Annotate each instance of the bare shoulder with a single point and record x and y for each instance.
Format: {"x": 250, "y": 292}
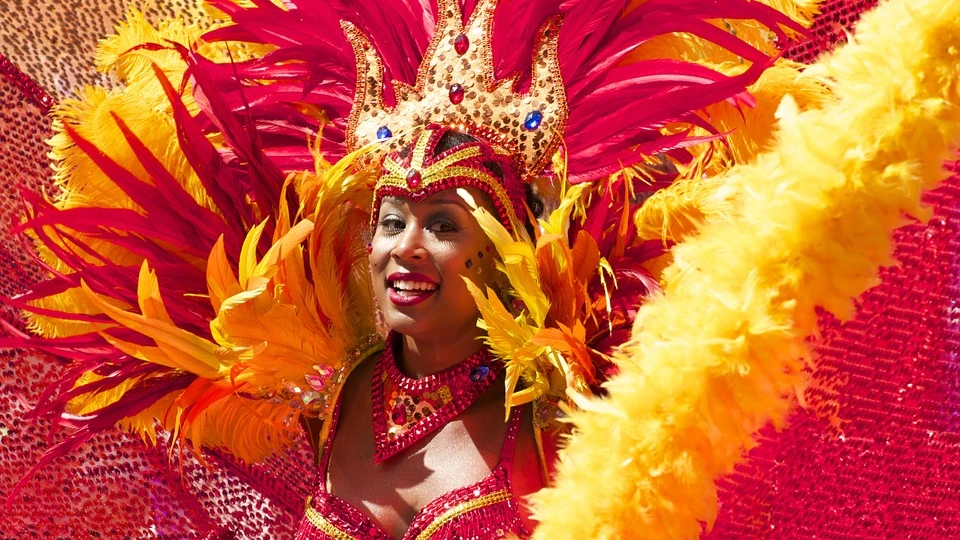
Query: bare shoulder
{"x": 358, "y": 379}
{"x": 525, "y": 476}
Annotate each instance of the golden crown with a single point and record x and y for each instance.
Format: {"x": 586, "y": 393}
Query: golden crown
{"x": 456, "y": 87}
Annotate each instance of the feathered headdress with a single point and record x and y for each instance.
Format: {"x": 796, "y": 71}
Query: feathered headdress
{"x": 207, "y": 267}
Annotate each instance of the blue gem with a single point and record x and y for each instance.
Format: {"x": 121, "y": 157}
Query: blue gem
{"x": 532, "y": 121}
{"x": 384, "y": 133}
{"x": 479, "y": 373}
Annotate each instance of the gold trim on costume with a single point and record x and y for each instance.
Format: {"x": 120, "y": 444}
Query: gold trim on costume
{"x": 463, "y": 508}
{"x": 317, "y": 520}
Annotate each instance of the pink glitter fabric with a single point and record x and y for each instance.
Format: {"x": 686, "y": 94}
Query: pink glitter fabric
{"x": 485, "y": 509}
{"x": 115, "y": 486}
{"x": 876, "y": 455}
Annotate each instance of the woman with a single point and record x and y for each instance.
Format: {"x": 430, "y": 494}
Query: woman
{"x": 209, "y": 273}
{"x": 377, "y": 479}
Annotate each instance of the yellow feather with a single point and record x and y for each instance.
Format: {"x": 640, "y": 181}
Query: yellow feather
{"x": 558, "y": 221}
{"x": 722, "y": 352}
{"x": 88, "y": 403}
{"x": 537, "y": 365}
{"x": 143, "y": 105}
{"x": 281, "y": 248}
{"x": 248, "y": 253}
{"x": 273, "y": 324}
{"x": 148, "y": 295}
{"x": 196, "y": 354}
{"x": 517, "y": 261}
{"x": 221, "y": 281}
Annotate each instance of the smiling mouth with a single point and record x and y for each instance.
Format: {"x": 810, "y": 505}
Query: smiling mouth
{"x": 409, "y": 289}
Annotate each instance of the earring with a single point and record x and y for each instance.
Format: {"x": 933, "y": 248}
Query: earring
{"x": 369, "y": 248}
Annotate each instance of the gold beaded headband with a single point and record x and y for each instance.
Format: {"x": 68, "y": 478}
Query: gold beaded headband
{"x": 422, "y": 171}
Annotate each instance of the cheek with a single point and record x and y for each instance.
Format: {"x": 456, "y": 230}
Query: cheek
{"x": 379, "y": 258}
{"x": 474, "y": 264}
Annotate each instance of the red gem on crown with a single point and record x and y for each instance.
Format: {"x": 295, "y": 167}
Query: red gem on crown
{"x": 461, "y": 44}
{"x": 456, "y": 94}
{"x": 413, "y": 178}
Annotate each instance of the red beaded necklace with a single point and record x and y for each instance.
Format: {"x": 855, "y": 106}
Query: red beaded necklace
{"x": 406, "y": 410}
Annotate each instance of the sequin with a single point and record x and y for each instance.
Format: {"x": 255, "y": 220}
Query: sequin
{"x": 384, "y": 133}
{"x": 457, "y": 168}
{"x": 879, "y": 471}
{"x": 399, "y": 414}
{"x": 478, "y": 511}
{"x": 427, "y": 403}
{"x": 444, "y": 74}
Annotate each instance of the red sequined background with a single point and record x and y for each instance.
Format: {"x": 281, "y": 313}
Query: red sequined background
{"x": 874, "y": 457}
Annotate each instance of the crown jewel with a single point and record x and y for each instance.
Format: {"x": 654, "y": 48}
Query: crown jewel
{"x": 456, "y": 87}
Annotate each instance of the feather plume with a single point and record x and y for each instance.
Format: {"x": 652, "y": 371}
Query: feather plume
{"x": 309, "y": 62}
{"x": 201, "y": 278}
{"x": 721, "y": 352}
{"x": 174, "y": 307}
{"x": 606, "y": 70}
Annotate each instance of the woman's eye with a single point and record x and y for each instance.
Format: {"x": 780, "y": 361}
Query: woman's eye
{"x": 391, "y": 223}
{"x": 443, "y": 225}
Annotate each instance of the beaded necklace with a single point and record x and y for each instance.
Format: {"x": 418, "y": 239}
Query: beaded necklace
{"x": 406, "y": 410}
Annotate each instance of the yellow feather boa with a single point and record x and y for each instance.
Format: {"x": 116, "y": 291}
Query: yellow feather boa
{"x": 720, "y": 354}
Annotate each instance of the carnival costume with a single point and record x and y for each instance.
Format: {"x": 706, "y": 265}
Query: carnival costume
{"x": 207, "y": 254}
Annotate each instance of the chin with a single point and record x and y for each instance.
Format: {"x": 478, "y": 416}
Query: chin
{"x": 404, "y": 324}
{"x": 430, "y": 326}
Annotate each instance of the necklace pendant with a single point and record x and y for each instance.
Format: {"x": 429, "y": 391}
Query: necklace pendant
{"x": 405, "y": 410}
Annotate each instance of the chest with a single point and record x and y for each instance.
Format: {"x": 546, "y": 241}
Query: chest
{"x": 461, "y": 463}
{"x": 464, "y": 451}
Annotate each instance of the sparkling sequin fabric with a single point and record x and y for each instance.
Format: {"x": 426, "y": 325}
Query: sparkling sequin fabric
{"x": 113, "y": 487}
{"x": 485, "y": 509}
{"x": 875, "y": 455}
{"x": 53, "y": 41}
{"x": 406, "y": 410}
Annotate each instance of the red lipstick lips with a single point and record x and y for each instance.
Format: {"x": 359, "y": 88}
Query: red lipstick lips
{"x": 409, "y": 288}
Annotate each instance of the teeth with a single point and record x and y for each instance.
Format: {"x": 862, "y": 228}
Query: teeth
{"x": 413, "y": 286}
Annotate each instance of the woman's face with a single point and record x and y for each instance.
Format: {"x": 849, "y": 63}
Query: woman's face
{"x": 420, "y": 254}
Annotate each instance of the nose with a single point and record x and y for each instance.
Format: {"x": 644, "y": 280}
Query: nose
{"x": 410, "y": 244}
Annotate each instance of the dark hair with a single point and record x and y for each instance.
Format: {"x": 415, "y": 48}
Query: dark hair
{"x": 453, "y": 139}
{"x": 534, "y": 202}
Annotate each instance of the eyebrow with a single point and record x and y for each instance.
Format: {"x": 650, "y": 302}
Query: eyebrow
{"x": 448, "y": 201}
{"x": 443, "y": 201}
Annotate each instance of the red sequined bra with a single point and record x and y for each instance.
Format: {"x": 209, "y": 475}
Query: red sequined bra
{"x": 482, "y": 510}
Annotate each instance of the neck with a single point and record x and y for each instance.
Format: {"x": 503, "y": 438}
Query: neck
{"x": 423, "y": 357}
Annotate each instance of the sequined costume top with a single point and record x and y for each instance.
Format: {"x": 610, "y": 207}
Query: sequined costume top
{"x": 482, "y": 510}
